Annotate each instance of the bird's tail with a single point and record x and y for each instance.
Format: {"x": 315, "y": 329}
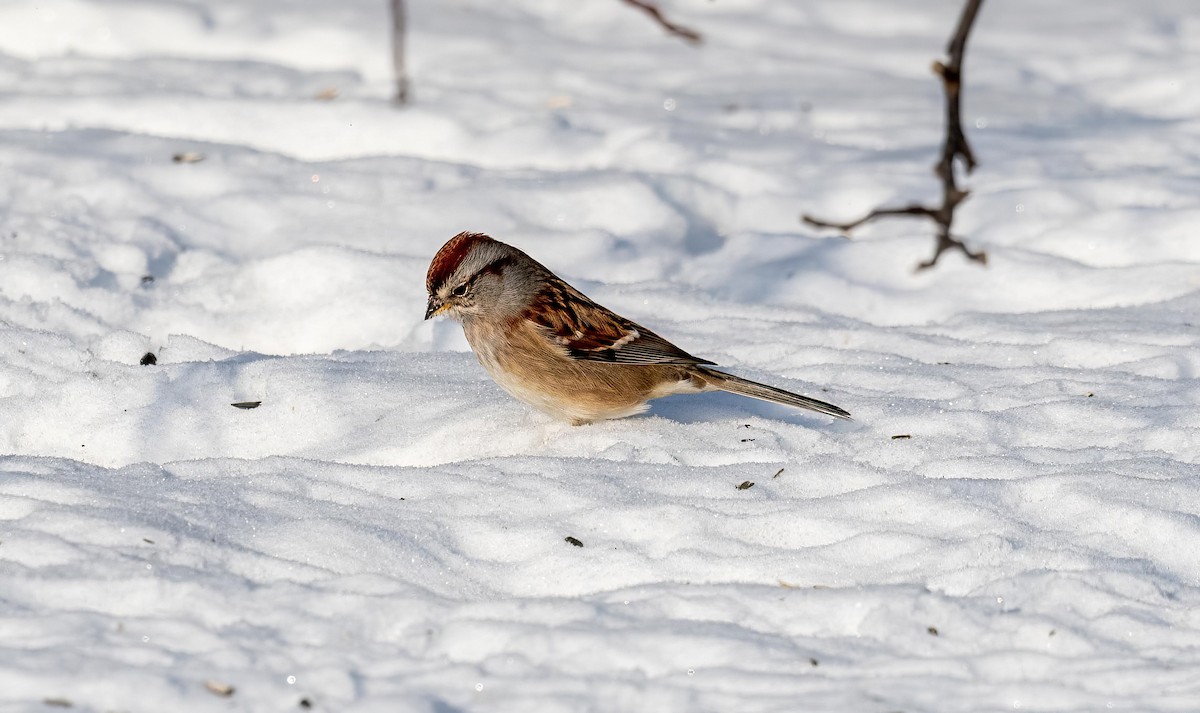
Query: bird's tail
{"x": 753, "y": 389}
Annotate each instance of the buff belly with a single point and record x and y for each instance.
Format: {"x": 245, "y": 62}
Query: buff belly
{"x": 572, "y": 390}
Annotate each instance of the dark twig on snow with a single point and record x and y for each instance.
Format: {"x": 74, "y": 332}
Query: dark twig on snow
{"x": 955, "y": 146}
{"x": 399, "y": 23}
{"x": 688, "y": 35}
{"x": 399, "y": 20}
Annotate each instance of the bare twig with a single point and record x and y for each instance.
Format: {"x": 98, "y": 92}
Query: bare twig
{"x": 955, "y": 146}
{"x": 919, "y": 211}
{"x": 688, "y": 35}
{"x": 399, "y": 21}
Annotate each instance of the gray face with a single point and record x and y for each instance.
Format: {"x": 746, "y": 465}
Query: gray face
{"x": 476, "y": 285}
{"x": 471, "y": 294}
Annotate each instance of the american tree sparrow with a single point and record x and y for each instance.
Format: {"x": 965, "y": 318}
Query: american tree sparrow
{"x": 548, "y": 345}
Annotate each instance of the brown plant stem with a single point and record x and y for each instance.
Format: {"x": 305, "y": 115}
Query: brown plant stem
{"x": 399, "y": 21}
{"x": 687, "y": 34}
{"x": 954, "y": 146}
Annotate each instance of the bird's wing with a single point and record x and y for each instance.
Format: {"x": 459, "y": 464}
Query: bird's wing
{"x": 589, "y": 332}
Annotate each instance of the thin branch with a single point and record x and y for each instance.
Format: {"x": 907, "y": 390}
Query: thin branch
{"x": 399, "y": 21}
{"x": 918, "y": 211}
{"x": 955, "y": 146}
{"x": 687, "y": 34}
{"x": 948, "y": 242}
{"x": 951, "y": 74}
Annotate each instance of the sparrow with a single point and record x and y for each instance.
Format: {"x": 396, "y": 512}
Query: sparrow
{"x": 547, "y": 344}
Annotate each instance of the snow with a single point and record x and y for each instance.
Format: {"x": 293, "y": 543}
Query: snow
{"x": 387, "y": 530}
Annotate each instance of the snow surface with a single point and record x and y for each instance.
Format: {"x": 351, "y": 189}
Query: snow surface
{"x": 386, "y": 532}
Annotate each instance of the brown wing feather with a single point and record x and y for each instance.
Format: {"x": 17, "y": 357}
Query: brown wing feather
{"x": 589, "y": 332}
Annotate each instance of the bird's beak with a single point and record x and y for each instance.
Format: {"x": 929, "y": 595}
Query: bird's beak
{"x": 433, "y": 307}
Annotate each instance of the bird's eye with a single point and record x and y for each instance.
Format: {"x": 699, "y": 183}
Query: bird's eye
{"x": 460, "y": 290}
